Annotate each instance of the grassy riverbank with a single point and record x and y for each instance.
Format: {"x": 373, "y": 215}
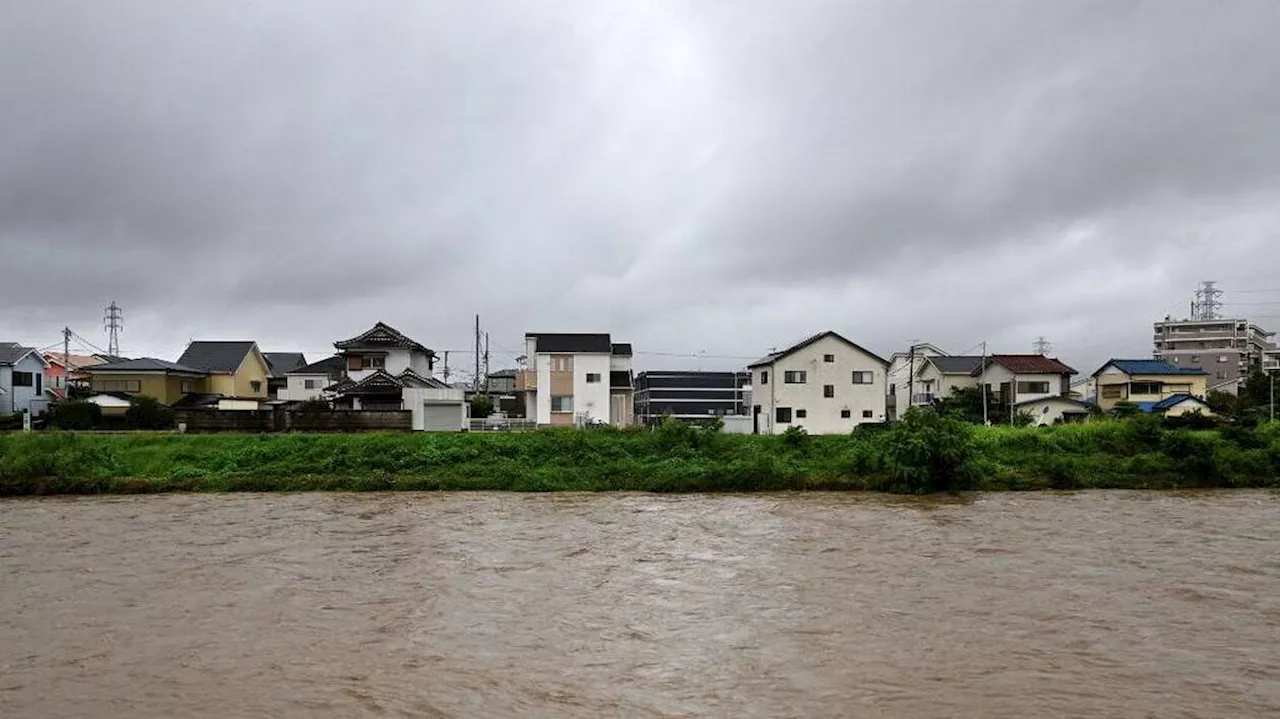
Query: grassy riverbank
{"x": 927, "y": 456}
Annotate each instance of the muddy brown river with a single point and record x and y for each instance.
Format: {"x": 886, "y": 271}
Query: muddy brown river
{"x": 1095, "y": 604}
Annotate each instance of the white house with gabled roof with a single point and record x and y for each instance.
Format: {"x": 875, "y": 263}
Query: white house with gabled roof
{"x": 22, "y": 379}
{"x": 825, "y": 384}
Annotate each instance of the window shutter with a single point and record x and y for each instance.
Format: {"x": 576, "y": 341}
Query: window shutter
{"x": 353, "y": 362}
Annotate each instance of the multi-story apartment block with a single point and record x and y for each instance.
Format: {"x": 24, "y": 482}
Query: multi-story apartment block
{"x": 691, "y": 395}
{"x": 576, "y": 379}
{"x": 1229, "y": 350}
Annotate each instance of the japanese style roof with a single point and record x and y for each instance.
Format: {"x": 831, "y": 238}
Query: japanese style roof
{"x": 774, "y": 357}
{"x": 620, "y": 379}
{"x": 1174, "y": 400}
{"x": 1028, "y": 364}
{"x": 1149, "y": 366}
{"x": 198, "y": 400}
{"x": 622, "y": 349}
{"x": 282, "y": 363}
{"x": 572, "y": 342}
{"x": 11, "y": 352}
{"x": 333, "y": 366}
{"x": 409, "y": 378}
{"x": 955, "y": 364}
{"x": 380, "y": 382}
{"x": 341, "y": 385}
{"x": 144, "y": 364}
{"x": 220, "y": 357}
{"x": 382, "y": 336}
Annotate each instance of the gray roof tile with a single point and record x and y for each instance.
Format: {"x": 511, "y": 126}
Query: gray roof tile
{"x": 216, "y": 356}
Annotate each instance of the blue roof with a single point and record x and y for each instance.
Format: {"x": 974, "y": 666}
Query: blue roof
{"x": 1172, "y": 401}
{"x": 1147, "y": 407}
{"x": 1149, "y": 366}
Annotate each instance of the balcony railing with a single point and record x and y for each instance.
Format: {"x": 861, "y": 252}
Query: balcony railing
{"x": 923, "y": 398}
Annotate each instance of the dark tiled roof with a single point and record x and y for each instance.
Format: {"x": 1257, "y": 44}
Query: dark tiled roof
{"x": 572, "y": 342}
{"x": 380, "y": 382}
{"x": 190, "y": 401}
{"x": 112, "y": 358}
{"x": 620, "y": 379}
{"x": 216, "y": 356}
{"x": 956, "y": 364}
{"x": 622, "y": 349}
{"x": 409, "y": 376}
{"x": 334, "y": 366}
{"x": 1149, "y": 366}
{"x": 1029, "y": 364}
{"x": 11, "y": 352}
{"x": 382, "y": 335}
{"x": 1174, "y": 400}
{"x": 282, "y": 363}
{"x": 144, "y": 364}
{"x": 774, "y": 357}
{"x": 503, "y": 373}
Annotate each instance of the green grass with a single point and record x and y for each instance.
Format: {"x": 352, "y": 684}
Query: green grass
{"x": 1104, "y": 454}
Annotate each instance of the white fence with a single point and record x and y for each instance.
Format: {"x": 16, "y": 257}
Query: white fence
{"x": 501, "y": 424}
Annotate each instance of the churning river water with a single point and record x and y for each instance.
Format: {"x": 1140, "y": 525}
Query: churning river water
{"x": 1093, "y": 604}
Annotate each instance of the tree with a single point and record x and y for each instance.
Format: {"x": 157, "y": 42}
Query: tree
{"x": 481, "y": 406}
{"x": 147, "y": 413}
{"x": 75, "y": 415}
{"x": 965, "y": 403}
{"x": 930, "y": 452}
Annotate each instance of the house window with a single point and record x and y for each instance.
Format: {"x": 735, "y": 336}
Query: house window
{"x": 801, "y": 413}
{"x": 845, "y": 414}
{"x": 370, "y": 362}
{"x": 782, "y": 415}
{"x": 117, "y": 385}
{"x": 24, "y": 379}
{"x": 1223, "y": 358}
{"x": 187, "y": 386}
{"x": 563, "y": 403}
{"x": 311, "y": 384}
{"x": 863, "y": 377}
{"x": 1144, "y": 388}
{"x": 561, "y": 363}
{"x": 828, "y": 391}
{"x": 1112, "y": 391}
{"x": 764, "y": 376}
{"x": 794, "y": 377}
{"x": 867, "y": 413}
{"x": 593, "y": 377}
{"x": 255, "y": 386}
{"x": 1222, "y": 374}
{"x": 828, "y": 358}
{"x": 1033, "y": 388}
{"x": 39, "y": 383}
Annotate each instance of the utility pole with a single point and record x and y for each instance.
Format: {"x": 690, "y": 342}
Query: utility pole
{"x": 1272, "y": 376}
{"x": 446, "y": 366}
{"x": 112, "y": 324}
{"x": 475, "y": 381}
{"x": 911, "y": 378}
{"x": 486, "y": 363}
{"x": 983, "y": 382}
{"x": 66, "y": 363}
{"x": 1042, "y": 346}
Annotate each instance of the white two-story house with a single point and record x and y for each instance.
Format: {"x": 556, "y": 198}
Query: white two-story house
{"x": 825, "y": 384}
{"x": 22, "y": 380}
{"x": 577, "y": 379}
{"x": 1013, "y": 379}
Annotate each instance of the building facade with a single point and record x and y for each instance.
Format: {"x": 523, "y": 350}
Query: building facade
{"x": 577, "y": 379}
{"x": 1147, "y": 382}
{"x": 22, "y": 385}
{"x": 902, "y": 367}
{"x": 1228, "y": 350}
{"x": 691, "y": 395}
{"x": 825, "y": 384}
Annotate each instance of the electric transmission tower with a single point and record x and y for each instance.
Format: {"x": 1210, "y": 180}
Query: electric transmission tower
{"x": 1042, "y": 346}
{"x": 113, "y": 325}
{"x": 1207, "y": 301}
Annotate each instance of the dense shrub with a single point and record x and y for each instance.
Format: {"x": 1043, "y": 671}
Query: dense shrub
{"x": 147, "y": 413}
{"x": 929, "y": 452}
{"x": 75, "y": 415}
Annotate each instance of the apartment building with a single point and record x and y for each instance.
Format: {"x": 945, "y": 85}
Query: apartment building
{"x": 1228, "y": 350}
{"x": 691, "y": 395}
{"x": 825, "y": 384}
{"x": 577, "y": 379}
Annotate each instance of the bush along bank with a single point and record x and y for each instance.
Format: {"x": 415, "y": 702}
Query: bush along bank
{"x": 925, "y": 452}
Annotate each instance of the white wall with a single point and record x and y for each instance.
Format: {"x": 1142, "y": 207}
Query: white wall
{"x": 18, "y": 399}
{"x": 823, "y": 414}
{"x": 591, "y": 399}
{"x": 295, "y": 389}
{"x": 397, "y": 361}
{"x": 415, "y": 399}
{"x": 996, "y": 375}
{"x": 543, "y": 414}
{"x": 1048, "y": 411}
{"x": 619, "y": 364}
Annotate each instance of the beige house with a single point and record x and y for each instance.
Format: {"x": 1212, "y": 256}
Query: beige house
{"x": 167, "y": 382}
{"x": 825, "y": 384}
{"x": 577, "y": 379}
{"x": 1154, "y": 385}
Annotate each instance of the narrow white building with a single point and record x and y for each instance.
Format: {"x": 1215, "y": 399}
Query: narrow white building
{"x": 825, "y": 384}
{"x": 577, "y": 379}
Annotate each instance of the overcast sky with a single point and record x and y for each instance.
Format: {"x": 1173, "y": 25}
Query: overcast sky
{"x": 717, "y": 177}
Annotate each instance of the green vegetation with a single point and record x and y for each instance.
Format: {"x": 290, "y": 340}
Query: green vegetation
{"x": 925, "y": 452}
{"x": 75, "y": 414}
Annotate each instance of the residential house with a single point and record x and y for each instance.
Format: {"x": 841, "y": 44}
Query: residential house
{"x": 385, "y": 369}
{"x": 166, "y": 382}
{"x": 22, "y": 387}
{"x": 577, "y": 379}
{"x": 825, "y": 384}
{"x": 237, "y": 372}
{"x": 1054, "y": 410}
{"x": 691, "y": 395}
{"x": 1012, "y": 379}
{"x": 902, "y": 367}
{"x": 309, "y": 382}
{"x": 938, "y": 375}
{"x": 501, "y": 382}
{"x": 1154, "y": 385}
{"x": 280, "y": 365}
{"x": 67, "y": 371}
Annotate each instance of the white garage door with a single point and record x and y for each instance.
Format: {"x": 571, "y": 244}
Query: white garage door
{"x": 442, "y": 418}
